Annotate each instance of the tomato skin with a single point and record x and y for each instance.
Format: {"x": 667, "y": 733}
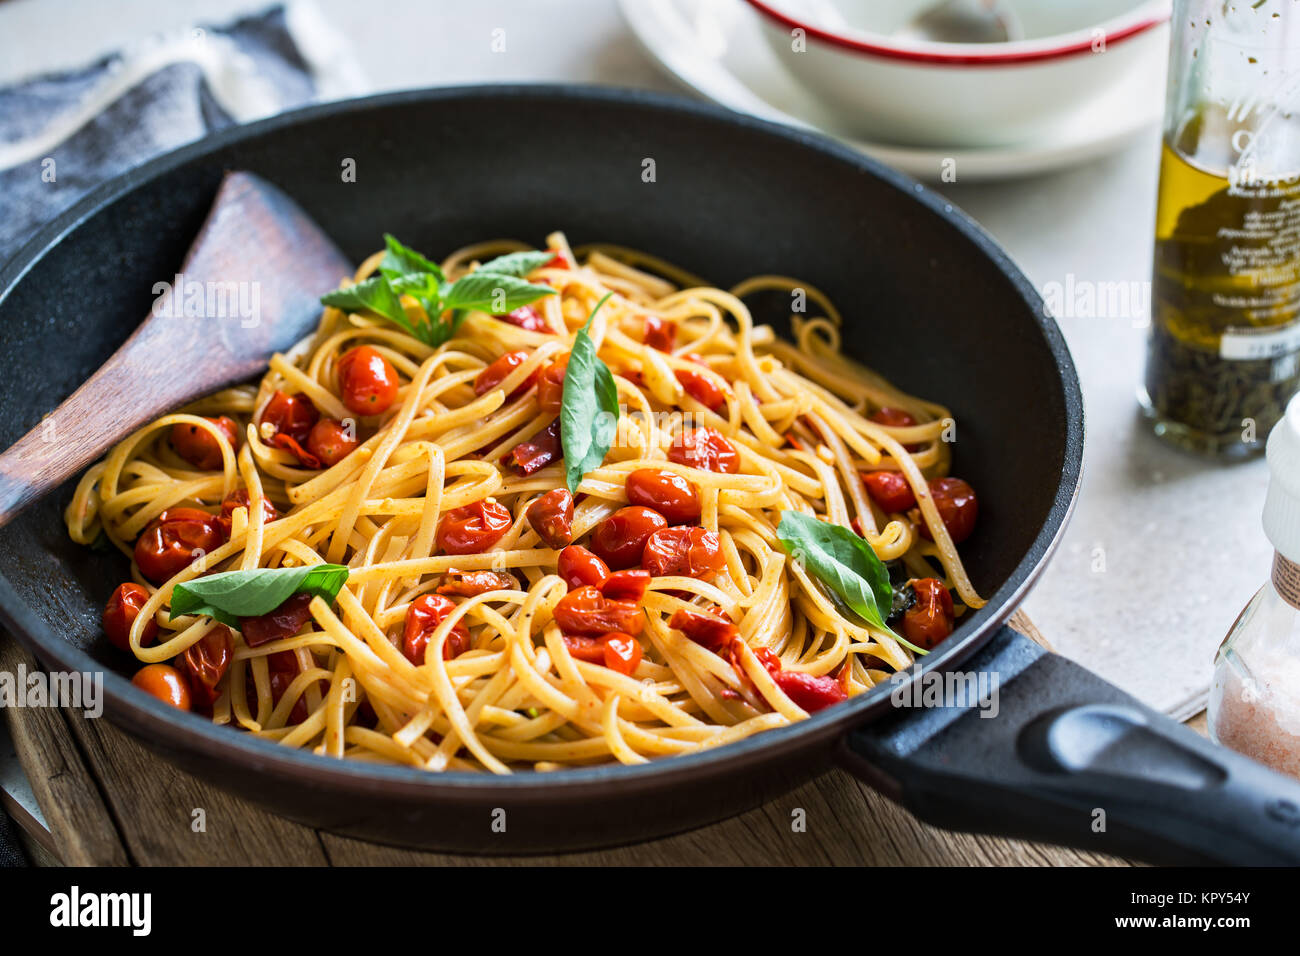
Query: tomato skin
{"x": 688, "y": 551}
{"x": 367, "y": 380}
{"x": 551, "y": 516}
{"x": 705, "y": 449}
{"x": 285, "y": 621}
{"x": 667, "y": 493}
{"x": 169, "y": 543}
{"x": 892, "y": 418}
{"x": 958, "y": 507}
{"x": 707, "y": 630}
{"x": 809, "y": 692}
{"x": 586, "y": 612}
{"x": 539, "y": 451}
{"x": 660, "y": 334}
{"x": 622, "y": 652}
{"x": 890, "y": 490}
{"x": 473, "y": 528}
{"x": 422, "y": 619}
{"x": 930, "y": 619}
{"x": 206, "y": 662}
{"x": 701, "y": 387}
{"x": 120, "y": 612}
{"x": 330, "y": 441}
{"x": 587, "y": 649}
{"x": 579, "y": 567}
{"x": 164, "y": 682}
{"x": 292, "y": 418}
{"x": 197, "y": 446}
{"x": 550, "y": 386}
{"x": 496, "y": 373}
{"x": 240, "y": 498}
{"x": 527, "y": 318}
{"x": 620, "y": 538}
{"x": 474, "y": 583}
{"x": 629, "y": 585}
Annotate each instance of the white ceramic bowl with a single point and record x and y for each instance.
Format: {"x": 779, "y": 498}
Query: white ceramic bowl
{"x": 920, "y": 93}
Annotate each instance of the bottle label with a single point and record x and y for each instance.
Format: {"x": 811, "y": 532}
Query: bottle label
{"x": 1245, "y": 344}
{"x": 1286, "y": 580}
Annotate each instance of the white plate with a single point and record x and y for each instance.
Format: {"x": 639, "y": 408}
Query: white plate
{"x": 714, "y": 48}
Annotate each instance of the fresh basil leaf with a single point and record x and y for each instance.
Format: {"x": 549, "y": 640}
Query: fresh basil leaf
{"x": 517, "y": 263}
{"x": 493, "y": 292}
{"x": 844, "y": 563}
{"x": 231, "y": 595}
{"x": 587, "y": 403}
{"x": 402, "y": 260}
{"x": 374, "y": 295}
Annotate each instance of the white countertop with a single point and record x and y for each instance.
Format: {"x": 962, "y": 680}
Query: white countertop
{"x": 1164, "y": 549}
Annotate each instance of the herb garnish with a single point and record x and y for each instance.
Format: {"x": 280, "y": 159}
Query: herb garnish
{"x": 230, "y": 595}
{"x": 496, "y": 286}
{"x": 845, "y": 564}
{"x": 589, "y": 398}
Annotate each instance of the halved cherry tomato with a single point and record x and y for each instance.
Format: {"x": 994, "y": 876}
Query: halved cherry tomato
{"x": 809, "y": 692}
{"x": 705, "y": 449}
{"x": 667, "y": 493}
{"x": 550, "y": 386}
{"x": 120, "y": 613}
{"x": 890, "y": 490}
{"x": 206, "y": 663}
{"x": 580, "y": 567}
{"x": 620, "y": 538}
{"x": 930, "y": 619}
{"x": 688, "y": 551}
{"x": 285, "y": 621}
{"x": 474, "y": 583}
{"x": 474, "y": 528}
{"x": 367, "y": 380}
{"x": 330, "y": 441}
{"x": 539, "y": 451}
{"x": 197, "y": 446}
{"x": 240, "y": 498}
{"x": 660, "y": 333}
{"x": 292, "y": 418}
{"x": 551, "y": 516}
{"x": 629, "y": 585}
{"x": 496, "y": 373}
{"x": 585, "y": 611}
{"x": 525, "y": 317}
{"x": 707, "y": 630}
{"x": 422, "y": 619}
{"x": 171, "y": 542}
{"x": 701, "y": 387}
{"x": 622, "y": 652}
{"x": 958, "y": 507}
{"x": 164, "y": 682}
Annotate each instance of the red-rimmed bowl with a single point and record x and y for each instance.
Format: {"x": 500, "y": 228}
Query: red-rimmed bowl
{"x": 886, "y": 87}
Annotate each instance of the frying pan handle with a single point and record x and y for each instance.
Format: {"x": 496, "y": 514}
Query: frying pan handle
{"x": 1065, "y": 757}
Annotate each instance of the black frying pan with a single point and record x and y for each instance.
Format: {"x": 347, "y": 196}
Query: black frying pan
{"x": 929, "y": 300}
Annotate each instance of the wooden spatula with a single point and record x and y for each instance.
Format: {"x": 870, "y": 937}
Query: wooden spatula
{"x": 256, "y": 244}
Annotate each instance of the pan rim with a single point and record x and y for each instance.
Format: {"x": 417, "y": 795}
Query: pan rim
{"x": 200, "y": 738}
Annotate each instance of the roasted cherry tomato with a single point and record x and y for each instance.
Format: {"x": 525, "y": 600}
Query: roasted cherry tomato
{"x": 894, "y": 418}
{"x": 580, "y": 567}
{"x": 708, "y": 630}
{"x": 669, "y": 494}
{"x": 285, "y": 621}
{"x": 701, "y": 387}
{"x": 473, "y": 583}
{"x": 809, "y": 692}
{"x": 930, "y": 619}
{"x": 197, "y": 446}
{"x": 164, "y": 682}
{"x": 539, "y": 451}
{"x": 705, "y": 449}
{"x": 587, "y": 649}
{"x": 620, "y": 538}
{"x": 526, "y": 317}
{"x": 240, "y": 498}
{"x": 330, "y": 441}
{"x": 660, "y": 333}
{"x": 367, "y": 380}
{"x": 890, "y": 490}
{"x": 422, "y": 619}
{"x": 171, "y": 542}
{"x": 496, "y": 373}
{"x": 206, "y": 663}
{"x": 474, "y": 528}
{"x": 120, "y": 613}
{"x": 957, "y": 506}
{"x": 585, "y": 611}
{"x": 622, "y": 652}
{"x": 686, "y": 551}
{"x": 550, "y": 386}
{"x": 551, "y": 516}
{"x": 292, "y": 418}
{"x": 629, "y": 585}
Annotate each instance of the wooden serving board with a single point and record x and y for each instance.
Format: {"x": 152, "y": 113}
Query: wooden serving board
{"x": 109, "y": 801}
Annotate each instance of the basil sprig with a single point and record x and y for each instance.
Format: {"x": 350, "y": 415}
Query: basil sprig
{"x": 230, "y": 595}
{"x": 587, "y": 403}
{"x": 845, "y": 564}
{"x": 497, "y": 286}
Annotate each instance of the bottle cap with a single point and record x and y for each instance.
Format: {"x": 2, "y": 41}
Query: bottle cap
{"x": 1282, "y": 505}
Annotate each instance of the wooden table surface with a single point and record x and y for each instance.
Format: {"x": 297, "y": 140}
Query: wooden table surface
{"x": 109, "y": 801}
